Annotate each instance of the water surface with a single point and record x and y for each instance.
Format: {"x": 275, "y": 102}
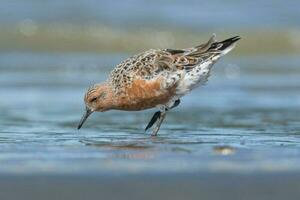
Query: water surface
{"x": 246, "y": 119}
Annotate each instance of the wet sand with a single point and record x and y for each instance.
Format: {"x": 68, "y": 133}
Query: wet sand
{"x": 226, "y": 186}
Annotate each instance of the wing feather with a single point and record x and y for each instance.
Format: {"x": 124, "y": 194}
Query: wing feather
{"x": 167, "y": 63}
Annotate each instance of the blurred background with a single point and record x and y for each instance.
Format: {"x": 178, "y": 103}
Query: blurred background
{"x": 244, "y": 122}
{"x": 130, "y": 26}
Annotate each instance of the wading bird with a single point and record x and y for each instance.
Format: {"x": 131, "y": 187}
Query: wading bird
{"x": 155, "y": 78}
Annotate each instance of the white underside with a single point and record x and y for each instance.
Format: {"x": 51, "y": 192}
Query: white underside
{"x": 195, "y": 78}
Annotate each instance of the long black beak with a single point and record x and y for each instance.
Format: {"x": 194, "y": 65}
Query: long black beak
{"x": 84, "y": 117}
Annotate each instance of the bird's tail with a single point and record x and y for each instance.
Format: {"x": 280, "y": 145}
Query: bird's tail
{"x": 213, "y": 46}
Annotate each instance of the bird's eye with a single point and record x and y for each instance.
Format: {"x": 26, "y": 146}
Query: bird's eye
{"x": 93, "y": 99}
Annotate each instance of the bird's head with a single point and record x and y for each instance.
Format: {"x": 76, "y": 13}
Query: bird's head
{"x": 97, "y": 98}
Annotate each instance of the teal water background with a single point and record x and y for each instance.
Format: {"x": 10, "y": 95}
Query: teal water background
{"x": 245, "y": 120}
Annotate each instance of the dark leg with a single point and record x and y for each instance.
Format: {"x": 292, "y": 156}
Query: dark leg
{"x": 159, "y": 122}
{"x": 153, "y": 120}
{"x": 176, "y": 103}
{"x": 158, "y": 114}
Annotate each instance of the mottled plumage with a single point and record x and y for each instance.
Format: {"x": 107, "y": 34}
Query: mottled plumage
{"x": 157, "y": 78}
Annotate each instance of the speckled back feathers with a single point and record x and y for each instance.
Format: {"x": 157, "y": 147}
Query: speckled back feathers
{"x": 153, "y": 64}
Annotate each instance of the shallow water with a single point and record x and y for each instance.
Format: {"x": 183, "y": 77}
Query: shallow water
{"x": 246, "y": 119}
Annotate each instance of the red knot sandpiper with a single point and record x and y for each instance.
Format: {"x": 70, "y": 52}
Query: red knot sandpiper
{"x": 155, "y": 78}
